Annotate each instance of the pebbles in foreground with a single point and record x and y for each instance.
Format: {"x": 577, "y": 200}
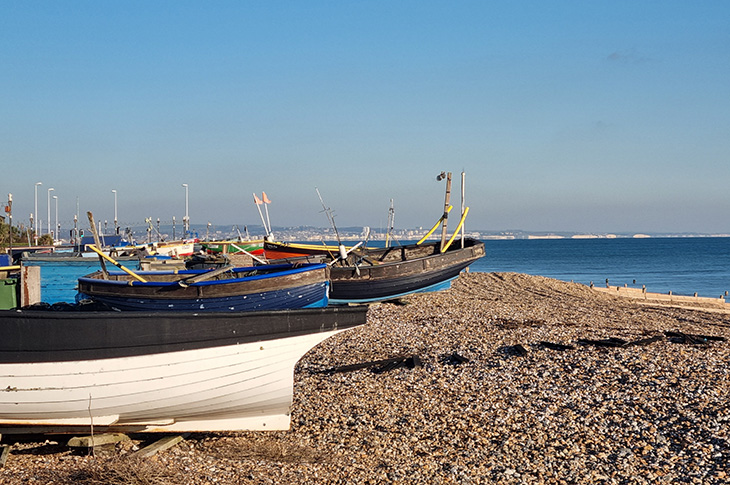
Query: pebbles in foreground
{"x": 511, "y": 379}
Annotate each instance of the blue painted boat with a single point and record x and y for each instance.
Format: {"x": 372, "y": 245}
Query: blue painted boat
{"x": 257, "y": 288}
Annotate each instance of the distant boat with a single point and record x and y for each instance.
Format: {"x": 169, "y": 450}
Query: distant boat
{"x": 376, "y": 274}
{"x": 282, "y": 250}
{"x": 76, "y": 371}
{"x": 254, "y": 247}
{"x": 270, "y": 287}
{"x": 173, "y": 249}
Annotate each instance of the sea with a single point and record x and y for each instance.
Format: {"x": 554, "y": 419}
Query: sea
{"x": 682, "y": 265}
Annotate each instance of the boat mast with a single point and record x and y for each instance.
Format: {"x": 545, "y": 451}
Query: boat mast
{"x": 463, "y": 176}
{"x": 331, "y": 218}
{"x": 391, "y": 224}
{"x": 440, "y": 177}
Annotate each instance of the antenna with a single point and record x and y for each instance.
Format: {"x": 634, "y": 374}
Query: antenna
{"x": 330, "y": 215}
{"x": 331, "y": 218}
{"x": 391, "y": 224}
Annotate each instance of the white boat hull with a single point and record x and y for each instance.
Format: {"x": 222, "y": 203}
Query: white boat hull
{"x": 235, "y": 387}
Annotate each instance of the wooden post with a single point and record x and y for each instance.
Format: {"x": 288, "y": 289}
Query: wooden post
{"x": 160, "y": 445}
{"x": 30, "y": 285}
{"x": 446, "y": 209}
{"x": 4, "y": 453}
{"x": 96, "y": 440}
{"x": 97, "y": 244}
{"x": 463, "y": 177}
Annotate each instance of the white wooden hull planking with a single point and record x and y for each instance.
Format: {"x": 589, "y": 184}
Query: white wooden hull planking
{"x": 236, "y": 387}
{"x": 173, "y": 250}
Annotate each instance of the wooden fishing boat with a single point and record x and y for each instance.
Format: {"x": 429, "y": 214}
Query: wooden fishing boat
{"x": 270, "y": 287}
{"x": 376, "y": 274}
{"x": 381, "y": 274}
{"x": 366, "y": 274}
{"x": 254, "y": 247}
{"x": 93, "y": 371}
{"x": 175, "y": 249}
{"x": 281, "y": 250}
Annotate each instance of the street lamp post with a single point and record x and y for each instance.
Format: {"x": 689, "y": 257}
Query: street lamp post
{"x": 58, "y": 229}
{"x": 36, "y": 213}
{"x": 116, "y": 227}
{"x": 9, "y": 210}
{"x": 186, "y": 219}
{"x": 49, "y": 209}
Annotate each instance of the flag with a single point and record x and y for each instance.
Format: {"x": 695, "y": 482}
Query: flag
{"x": 257, "y": 200}
{"x": 266, "y": 199}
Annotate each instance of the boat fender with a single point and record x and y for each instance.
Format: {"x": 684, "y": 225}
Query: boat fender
{"x": 343, "y": 251}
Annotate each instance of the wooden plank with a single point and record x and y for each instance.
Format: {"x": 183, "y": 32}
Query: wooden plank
{"x": 4, "y": 453}
{"x": 160, "y": 445}
{"x": 96, "y": 440}
{"x": 30, "y": 285}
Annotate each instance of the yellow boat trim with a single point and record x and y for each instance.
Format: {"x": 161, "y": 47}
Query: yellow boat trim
{"x": 126, "y": 270}
{"x": 461, "y": 223}
{"x": 435, "y": 225}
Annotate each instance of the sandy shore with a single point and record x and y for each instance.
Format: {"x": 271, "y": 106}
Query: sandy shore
{"x": 518, "y": 383}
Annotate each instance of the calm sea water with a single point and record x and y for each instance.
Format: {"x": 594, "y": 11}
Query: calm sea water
{"x": 59, "y": 280}
{"x": 681, "y": 265}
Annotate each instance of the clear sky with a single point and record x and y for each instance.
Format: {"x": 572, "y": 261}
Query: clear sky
{"x": 588, "y": 116}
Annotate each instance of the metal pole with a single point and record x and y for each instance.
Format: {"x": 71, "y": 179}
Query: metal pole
{"x": 58, "y": 228}
{"x": 49, "y": 209}
{"x": 10, "y": 227}
{"x": 116, "y": 226}
{"x": 446, "y": 209}
{"x": 36, "y": 213}
{"x": 463, "y": 177}
{"x": 57, "y": 232}
{"x": 186, "y": 219}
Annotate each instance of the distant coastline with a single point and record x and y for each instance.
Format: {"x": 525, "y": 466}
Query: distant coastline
{"x": 351, "y": 233}
{"x": 542, "y": 235}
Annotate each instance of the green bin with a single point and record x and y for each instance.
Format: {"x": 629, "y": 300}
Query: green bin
{"x": 9, "y": 293}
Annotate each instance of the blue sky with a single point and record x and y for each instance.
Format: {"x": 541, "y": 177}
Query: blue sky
{"x": 579, "y": 116}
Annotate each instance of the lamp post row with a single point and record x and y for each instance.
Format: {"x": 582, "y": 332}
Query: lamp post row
{"x": 34, "y": 219}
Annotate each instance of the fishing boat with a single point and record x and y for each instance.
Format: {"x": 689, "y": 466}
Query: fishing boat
{"x": 366, "y": 274}
{"x": 269, "y": 287}
{"x": 92, "y": 371}
{"x": 281, "y": 250}
{"x": 387, "y": 273}
{"x": 174, "y": 249}
{"x": 254, "y": 247}
{"x": 377, "y": 274}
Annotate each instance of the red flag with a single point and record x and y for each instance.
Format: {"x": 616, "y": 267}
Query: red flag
{"x": 257, "y": 200}
{"x": 266, "y": 199}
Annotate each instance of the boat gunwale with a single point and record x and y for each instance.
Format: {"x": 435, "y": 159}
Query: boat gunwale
{"x": 272, "y": 272}
{"x": 92, "y": 335}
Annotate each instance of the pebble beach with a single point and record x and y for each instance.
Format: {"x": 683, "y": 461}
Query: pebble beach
{"x": 504, "y": 378}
